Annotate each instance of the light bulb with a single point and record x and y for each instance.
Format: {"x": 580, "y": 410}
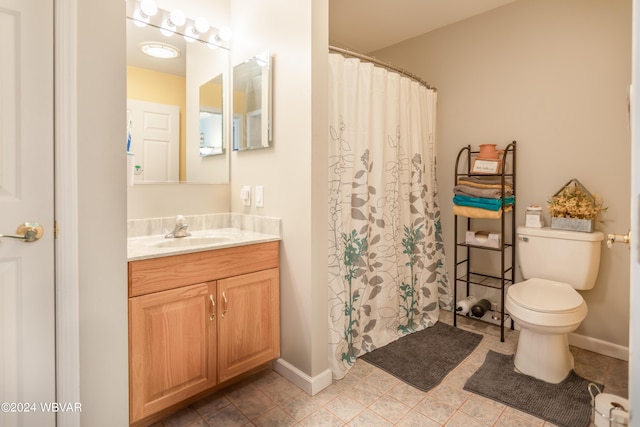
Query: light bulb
{"x": 178, "y": 17}
{"x": 148, "y": 7}
{"x": 213, "y": 42}
{"x": 225, "y": 34}
{"x": 140, "y": 19}
{"x": 190, "y": 34}
{"x": 201, "y": 25}
{"x": 167, "y": 28}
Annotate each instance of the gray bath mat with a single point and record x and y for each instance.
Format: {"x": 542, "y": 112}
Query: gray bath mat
{"x": 422, "y": 359}
{"x": 567, "y": 404}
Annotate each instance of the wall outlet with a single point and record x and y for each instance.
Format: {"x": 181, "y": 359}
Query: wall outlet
{"x": 259, "y": 196}
{"x": 245, "y": 195}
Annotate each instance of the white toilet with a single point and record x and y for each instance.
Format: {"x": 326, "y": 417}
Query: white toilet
{"x": 546, "y": 306}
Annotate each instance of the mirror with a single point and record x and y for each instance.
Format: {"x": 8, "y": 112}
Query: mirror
{"x": 211, "y": 124}
{"x": 163, "y": 111}
{"x": 252, "y": 103}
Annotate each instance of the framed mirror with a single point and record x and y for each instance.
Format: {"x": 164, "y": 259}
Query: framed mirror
{"x": 252, "y": 103}
{"x": 163, "y": 111}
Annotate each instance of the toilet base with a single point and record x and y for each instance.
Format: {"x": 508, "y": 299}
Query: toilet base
{"x": 544, "y": 356}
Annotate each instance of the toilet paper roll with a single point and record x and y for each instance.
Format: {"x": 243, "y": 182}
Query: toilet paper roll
{"x": 464, "y": 305}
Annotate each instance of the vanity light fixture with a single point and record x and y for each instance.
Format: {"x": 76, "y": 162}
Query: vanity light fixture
{"x": 146, "y": 12}
{"x": 160, "y": 50}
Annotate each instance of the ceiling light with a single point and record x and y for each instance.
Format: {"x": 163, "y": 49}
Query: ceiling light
{"x": 160, "y": 50}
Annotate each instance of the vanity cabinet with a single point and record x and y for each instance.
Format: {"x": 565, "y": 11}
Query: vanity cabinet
{"x": 199, "y": 320}
{"x": 173, "y": 347}
{"x": 248, "y": 336}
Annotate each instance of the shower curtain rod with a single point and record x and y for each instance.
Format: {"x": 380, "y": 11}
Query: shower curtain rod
{"x": 386, "y": 65}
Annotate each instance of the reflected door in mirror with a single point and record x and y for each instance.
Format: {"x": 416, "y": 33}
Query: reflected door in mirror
{"x": 155, "y": 140}
{"x": 211, "y": 119}
{"x": 252, "y": 103}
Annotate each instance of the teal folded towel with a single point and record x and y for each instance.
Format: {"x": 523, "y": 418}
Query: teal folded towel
{"x": 481, "y": 202}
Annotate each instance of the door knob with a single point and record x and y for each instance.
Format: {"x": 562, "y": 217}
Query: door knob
{"x": 618, "y": 238}
{"x": 27, "y": 232}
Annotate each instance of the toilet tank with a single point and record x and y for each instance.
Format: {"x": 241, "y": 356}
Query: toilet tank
{"x": 572, "y": 257}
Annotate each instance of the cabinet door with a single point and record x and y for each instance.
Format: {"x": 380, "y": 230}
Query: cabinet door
{"x": 249, "y": 323}
{"x": 172, "y": 342}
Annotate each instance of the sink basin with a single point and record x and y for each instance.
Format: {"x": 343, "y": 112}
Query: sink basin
{"x": 183, "y": 242}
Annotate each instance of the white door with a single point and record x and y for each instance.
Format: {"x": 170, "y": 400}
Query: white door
{"x": 155, "y": 140}
{"x": 27, "y": 337}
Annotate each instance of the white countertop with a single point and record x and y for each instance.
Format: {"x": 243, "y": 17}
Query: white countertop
{"x": 154, "y": 246}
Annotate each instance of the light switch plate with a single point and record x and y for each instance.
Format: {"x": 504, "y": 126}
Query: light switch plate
{"x": 245, "y": 195}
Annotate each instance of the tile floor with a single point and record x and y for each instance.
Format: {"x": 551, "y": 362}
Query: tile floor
{"x": 370, "y": 397}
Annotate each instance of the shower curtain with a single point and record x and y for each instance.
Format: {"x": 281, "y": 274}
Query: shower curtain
{"x": 387, "y": 272}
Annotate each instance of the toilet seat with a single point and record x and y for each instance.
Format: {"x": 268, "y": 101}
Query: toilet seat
{"x": 540, "y": 303}
{"x": 545, "y": 296}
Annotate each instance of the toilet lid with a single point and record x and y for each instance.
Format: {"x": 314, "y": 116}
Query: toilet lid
{"x": 545, "y": 296}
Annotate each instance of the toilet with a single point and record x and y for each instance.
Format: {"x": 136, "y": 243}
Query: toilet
{"x": 546, "y": 306}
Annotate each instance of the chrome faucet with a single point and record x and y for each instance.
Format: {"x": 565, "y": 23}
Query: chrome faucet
{"x": 180, "y": 229}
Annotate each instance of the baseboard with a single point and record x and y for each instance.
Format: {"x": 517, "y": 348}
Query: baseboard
{"x": 599, "y": 346}
{"x": 310, "y": 385}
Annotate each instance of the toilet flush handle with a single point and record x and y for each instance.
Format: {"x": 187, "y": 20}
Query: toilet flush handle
{"x": 618, "y": 238}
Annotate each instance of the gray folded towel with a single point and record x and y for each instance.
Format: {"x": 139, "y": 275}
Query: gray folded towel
{"x": 489, "y": 193}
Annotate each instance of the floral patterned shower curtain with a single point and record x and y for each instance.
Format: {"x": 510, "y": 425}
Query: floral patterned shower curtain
{"x": 387, "y": 272}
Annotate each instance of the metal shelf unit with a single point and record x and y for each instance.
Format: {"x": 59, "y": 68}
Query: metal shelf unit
{"x": 507, "y": 251}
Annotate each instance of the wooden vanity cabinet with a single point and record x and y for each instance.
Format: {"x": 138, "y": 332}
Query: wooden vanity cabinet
{"x": 198, "y": 320}
{"x": 249, "y": 327}
{"x": 173, "y": 347}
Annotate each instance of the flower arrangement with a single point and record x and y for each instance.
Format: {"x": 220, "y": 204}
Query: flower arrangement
{"x": 575, "y": 208}
{"x": 574, "y": 201}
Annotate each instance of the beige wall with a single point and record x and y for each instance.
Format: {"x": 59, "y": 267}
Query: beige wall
{"x": 169, "y": 199}
{"x": 553, "y": 75}
{"x": 293, "y": 171}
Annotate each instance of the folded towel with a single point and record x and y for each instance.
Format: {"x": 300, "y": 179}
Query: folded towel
{"x": 483, "y": 203}
{"x": 484, "y": 181}
{"x": 478, "y": 212}
{"x": 490, "y": 193}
